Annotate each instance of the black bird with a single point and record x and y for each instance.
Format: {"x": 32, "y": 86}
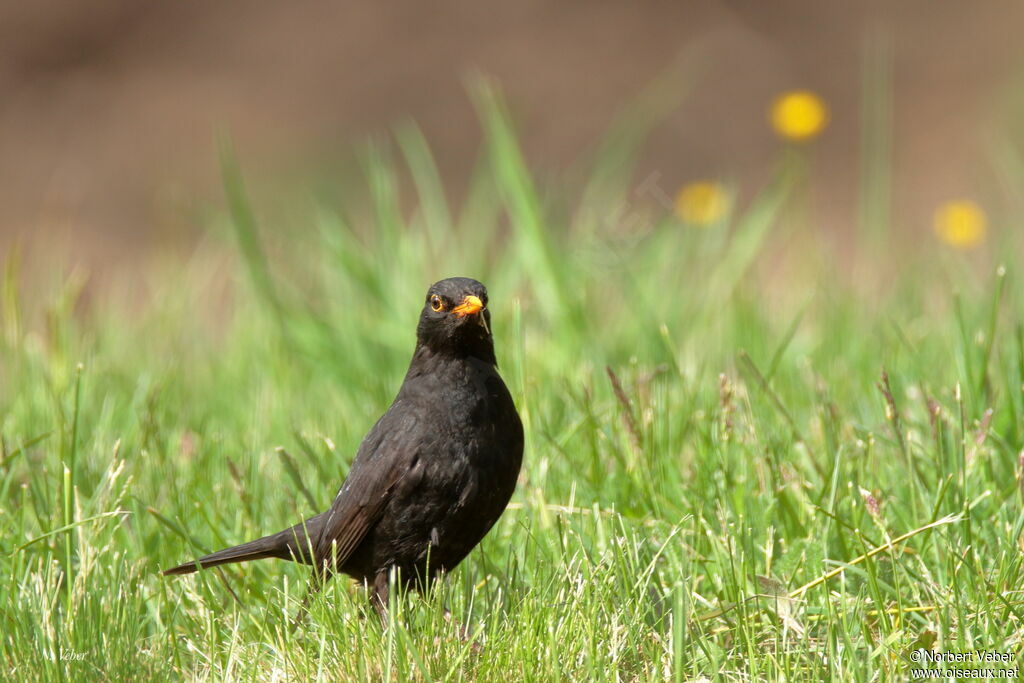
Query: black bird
{"x": 431, "y": 477}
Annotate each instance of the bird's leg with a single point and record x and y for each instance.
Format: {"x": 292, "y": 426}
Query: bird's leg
{"x": 379, "y": 596}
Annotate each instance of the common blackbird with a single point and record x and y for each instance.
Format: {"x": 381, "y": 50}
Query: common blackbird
{"x": 434, "y": 473}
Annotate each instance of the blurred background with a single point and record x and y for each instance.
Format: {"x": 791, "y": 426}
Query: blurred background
{"x": 110, "y": 110}
{"x": 706, "y": 229}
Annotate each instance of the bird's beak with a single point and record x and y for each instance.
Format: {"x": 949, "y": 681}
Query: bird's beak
{"x": 470, "y": 305}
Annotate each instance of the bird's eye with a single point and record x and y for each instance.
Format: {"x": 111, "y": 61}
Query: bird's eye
{"x": 436, "y": 303}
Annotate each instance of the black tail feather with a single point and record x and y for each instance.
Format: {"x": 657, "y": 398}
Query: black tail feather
{"x": 290, "y": 544}
{"x": 253, "y": 550}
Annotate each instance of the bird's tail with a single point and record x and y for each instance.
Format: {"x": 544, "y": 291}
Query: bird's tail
{"x": 290, "y": 544}
{"x": 253, "y": 550}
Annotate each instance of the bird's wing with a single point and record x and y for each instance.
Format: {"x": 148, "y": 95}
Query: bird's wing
{"x": 387, "y": 456}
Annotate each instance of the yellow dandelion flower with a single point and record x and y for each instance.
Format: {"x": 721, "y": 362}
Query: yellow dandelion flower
{"x": 961, "y": 224}
{"x": 702, "y": 203}
{"x": 799, "y": 115}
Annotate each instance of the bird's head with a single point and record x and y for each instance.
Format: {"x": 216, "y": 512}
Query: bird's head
{"x": 455, "y": 320}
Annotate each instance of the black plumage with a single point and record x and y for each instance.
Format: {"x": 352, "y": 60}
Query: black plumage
{"x": 433, "y": 474}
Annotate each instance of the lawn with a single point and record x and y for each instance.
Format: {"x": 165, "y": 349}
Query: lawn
{"x": 749, "y": 453}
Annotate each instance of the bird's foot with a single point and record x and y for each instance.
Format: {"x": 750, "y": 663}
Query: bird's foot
{"x": 462, "y": 632}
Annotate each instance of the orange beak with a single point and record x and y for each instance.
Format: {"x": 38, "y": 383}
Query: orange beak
{"x": 470, "y": 305}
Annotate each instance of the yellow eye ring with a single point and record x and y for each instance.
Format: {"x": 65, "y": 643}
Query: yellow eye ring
{"x": 436, "y": 303}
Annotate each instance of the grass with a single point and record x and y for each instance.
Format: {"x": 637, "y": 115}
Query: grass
{"x": 747, "y": 456}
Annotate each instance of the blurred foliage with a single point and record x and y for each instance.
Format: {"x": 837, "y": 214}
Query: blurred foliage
{"x": 748, "y": 454}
